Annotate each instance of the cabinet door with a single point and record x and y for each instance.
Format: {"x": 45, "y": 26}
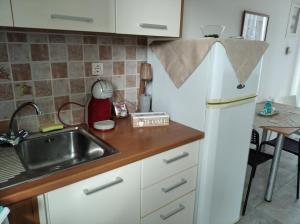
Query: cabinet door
{"x": 109, "y": 198}
{"x": 88, "y": 15}
{"x": 144, "y": 17}
{"x": 5, "y": 13}
{"x": 25, "y": 212}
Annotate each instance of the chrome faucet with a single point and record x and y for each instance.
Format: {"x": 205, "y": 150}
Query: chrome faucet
{"x": 12, "y": 137}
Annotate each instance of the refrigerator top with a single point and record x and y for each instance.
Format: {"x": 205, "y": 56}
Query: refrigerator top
{"x": 224, "y": 85}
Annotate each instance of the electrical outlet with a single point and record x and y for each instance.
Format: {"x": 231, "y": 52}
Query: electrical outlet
{"x": 97, "y": 68}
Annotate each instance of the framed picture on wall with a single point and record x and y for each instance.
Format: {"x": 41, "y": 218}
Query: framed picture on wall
{"x": 254, "y": 26}
{"x": 292, "y": 28}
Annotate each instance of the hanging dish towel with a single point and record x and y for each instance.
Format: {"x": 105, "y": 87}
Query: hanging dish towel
{"x": 3, "y": 215}
{"x": 181, "y": 57}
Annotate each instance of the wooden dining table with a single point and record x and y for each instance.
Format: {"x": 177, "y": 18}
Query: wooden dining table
{"x": 285, "y": 123}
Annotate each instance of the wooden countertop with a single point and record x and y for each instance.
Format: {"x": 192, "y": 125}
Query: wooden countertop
{"x": 133, "y": 144}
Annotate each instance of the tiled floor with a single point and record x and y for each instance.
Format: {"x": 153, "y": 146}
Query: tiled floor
{"x": 284, "y": 208}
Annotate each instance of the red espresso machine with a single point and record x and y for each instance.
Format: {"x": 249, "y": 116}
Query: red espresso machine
{"x": 99, "y": 107}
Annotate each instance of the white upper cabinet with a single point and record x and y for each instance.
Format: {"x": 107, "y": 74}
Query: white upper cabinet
{"x": 144, "y": 17}
{"x": 88, "y": 15}
{"x": 5, "y": 13}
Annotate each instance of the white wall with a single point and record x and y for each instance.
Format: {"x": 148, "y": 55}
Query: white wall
{"x": 278, "y": 68}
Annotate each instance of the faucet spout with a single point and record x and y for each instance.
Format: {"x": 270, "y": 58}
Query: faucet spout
{"x": 12, "y": 119}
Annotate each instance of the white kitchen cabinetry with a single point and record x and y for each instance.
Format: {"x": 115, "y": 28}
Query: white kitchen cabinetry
{"x": 157, "y": 190}
{"x": 164, "y": 165}
{"x": 168, "y": 186}
{"x": 144, "y": 17}
{"x": 180, "y": 211}
{"x": 109, "y": 198}
{"x": 5, "y": 13}
{"x": 88, "y": 15}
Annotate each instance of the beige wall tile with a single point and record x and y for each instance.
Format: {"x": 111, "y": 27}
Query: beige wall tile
{"x": 46, "y": 104}
{"x": 6, "y": 108}
{"x": 16, "y": 37}
{"x": 59, "y": 70}
{"x": 61, "y": 87}
{"x": 37, "y": 38}
{"x": 131, "y": 52}
{"x": 105, "y": 52}
{"x": 39, "y": 52}
{"x": 118, "y": 52}
{"x": 90, "y": 39}
{"x": 18, "y": 52}
{"x": 5, "y": 74}
{"x": 23, "y": 90}
{"x": 76, "y": 69}
{"x": 43, "y": 88}
{"x": 59, "y": 101}
{"x": 58, "y": 52}
{"x": 75, "y": 52}
{"x": 77, "y": 86}
{"x": 51, "y": 68}
{"x": 56, "y": 38}
{"x": 3, "y": 37}
{"x": 21, "y": 72}
{"x": 40, "y": 70}
{"x": 90, "y": 52}
{"x": 119, "y": 68}
{"x": 3, "y": 53}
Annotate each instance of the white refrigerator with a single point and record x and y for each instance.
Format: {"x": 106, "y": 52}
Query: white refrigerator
{"x": 211, "y": 102}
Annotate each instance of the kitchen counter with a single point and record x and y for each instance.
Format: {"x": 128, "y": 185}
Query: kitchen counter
{"x": 133, "y": 144}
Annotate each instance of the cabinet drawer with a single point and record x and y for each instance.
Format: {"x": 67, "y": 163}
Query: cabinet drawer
{"x": 164, "y": 192}
{"x": 178, "y": 212}
{"x": 89, "y": 15}
{"x": 163, "y": 165}
{"x": 103, "y": 199}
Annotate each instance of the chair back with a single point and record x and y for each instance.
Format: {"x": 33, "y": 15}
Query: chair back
{"x": 255, "y": 138}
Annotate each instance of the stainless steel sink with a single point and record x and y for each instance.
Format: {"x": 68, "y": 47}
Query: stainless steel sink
{"x": 61, "y": 149}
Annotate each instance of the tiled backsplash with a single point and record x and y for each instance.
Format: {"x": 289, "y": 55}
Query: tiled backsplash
{"x": 52, "y": 68}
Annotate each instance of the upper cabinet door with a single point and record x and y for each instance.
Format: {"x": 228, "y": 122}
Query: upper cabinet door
{"x": 88, "y": 15}
{"x": 5, "y": 13}
{"x": 153, "y": 18}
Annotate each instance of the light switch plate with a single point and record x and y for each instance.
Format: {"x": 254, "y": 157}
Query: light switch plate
{"x": 97, "y": 68}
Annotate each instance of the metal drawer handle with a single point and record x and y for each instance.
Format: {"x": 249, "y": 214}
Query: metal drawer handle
{"x": 100, "y": 188}
{"x": 175, "y": 211}
{"x": 73, "y": 18}
{"x": 153, "y": 26}
{"x": 167, "y": 161}
{"x": 168, "y": 189}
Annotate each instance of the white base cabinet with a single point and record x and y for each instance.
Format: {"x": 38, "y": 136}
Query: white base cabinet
{"x": 109, "y": 198}
{"x": 169, "y": 184}
{"x": 180, "y": 211}
{"x": 162, "y": 193}
{"x": 157, "y": 190}
{"x": 5, "y": 13}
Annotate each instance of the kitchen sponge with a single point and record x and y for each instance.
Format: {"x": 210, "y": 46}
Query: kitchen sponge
{"x": 51, "y": 127}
